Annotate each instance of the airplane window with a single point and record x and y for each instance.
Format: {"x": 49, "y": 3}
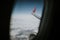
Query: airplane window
{"x": 25, "y": 19}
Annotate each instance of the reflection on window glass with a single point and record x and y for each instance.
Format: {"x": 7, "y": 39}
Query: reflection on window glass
{"x": 25, "y": 19}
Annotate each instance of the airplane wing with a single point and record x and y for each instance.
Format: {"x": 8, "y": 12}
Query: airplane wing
{"x": 37, "y": 17}
{"x": 34, "y": 10}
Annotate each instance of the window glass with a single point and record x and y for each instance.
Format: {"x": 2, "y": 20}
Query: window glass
{"x": 25, "y": 18}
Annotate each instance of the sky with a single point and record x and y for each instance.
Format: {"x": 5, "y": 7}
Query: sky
{"x": 26, "y": 7}
{"x": 22, "y": 19}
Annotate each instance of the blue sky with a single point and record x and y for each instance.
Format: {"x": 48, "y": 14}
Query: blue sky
{"x": 26, "y": 6}
{"x": 25, "y": 21}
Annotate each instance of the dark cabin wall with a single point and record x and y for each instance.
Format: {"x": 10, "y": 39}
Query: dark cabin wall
{"x": 50, "y": 30}
{"x": 5, "y": 14}
{"x": 47, "y": 29}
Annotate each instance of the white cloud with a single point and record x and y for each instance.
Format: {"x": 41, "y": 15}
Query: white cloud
{"x": 24, "y": 22}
